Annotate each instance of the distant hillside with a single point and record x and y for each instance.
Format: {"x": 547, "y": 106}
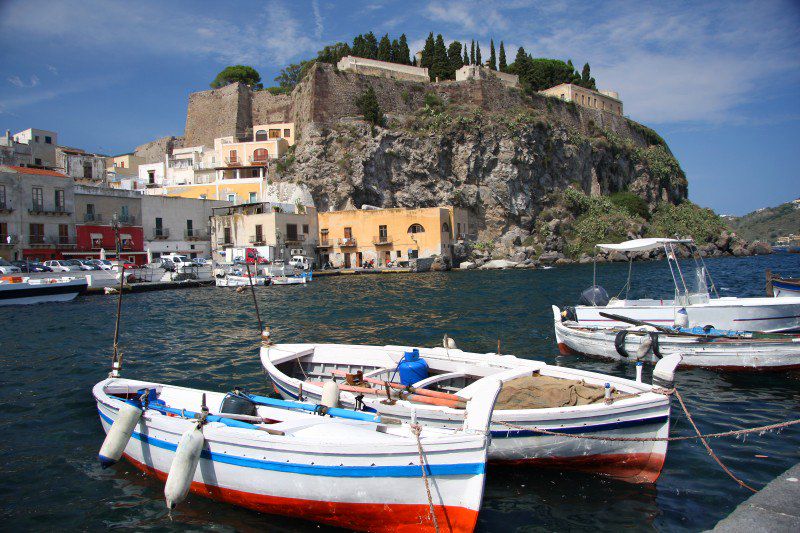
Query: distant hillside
{"x": 769, "y": 223}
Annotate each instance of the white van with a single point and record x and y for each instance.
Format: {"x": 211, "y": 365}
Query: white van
{"x": 300, "y": 261}
{"x": 181, "y": 262}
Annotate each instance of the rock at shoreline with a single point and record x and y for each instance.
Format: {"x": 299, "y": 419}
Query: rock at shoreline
{"x": 498, "y": 264}
{"x": 759, "y": 248}
{"x": 467, "y": 265}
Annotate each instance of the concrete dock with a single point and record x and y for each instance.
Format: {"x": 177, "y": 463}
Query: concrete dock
{"x": 776, "y": 508}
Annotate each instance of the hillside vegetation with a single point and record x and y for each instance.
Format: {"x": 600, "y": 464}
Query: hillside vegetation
{"x": 768, "y": 224}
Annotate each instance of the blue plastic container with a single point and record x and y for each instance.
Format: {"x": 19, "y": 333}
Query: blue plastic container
{"x": 412, "y": 368}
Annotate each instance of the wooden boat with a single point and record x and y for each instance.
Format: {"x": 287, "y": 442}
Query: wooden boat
{"x": 18, "y": 290}
{"x": 779, "y": 287}
{"x": 230, "y": 279}
{"x": 277, "y": 275}
{"x": 348, "y": 469}
{"x": 535, "y": 396}
{"x": 695, "y": 295}
{"x": 708, "y": 348}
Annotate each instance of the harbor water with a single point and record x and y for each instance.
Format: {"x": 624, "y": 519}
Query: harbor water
{"x": 52, "y": 355}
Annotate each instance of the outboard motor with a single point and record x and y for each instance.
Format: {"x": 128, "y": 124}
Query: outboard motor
{"x": 595, "y": 296}
{"x": 236, "y": 403}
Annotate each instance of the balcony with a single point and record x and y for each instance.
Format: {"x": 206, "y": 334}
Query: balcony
{"x": 5, "y": 208}
{"x": 194, "y": 234}
{"x": 256, "y": 161}
{"x": 295, "y": 239}
{"x": 256, "y": 239}
{"x": 324, "y": 243}
{"x": 233, "y": 162}
{"x": 63, "y": 241}
{"x": 382, "y": 240}
{"x": 127, "y": 220}
{"x": 37, "y": 240}
{"x": 222, "y": 243}
{"x": 92, "y": 217}
{"x": 160, "y": 233}
{"x": 8, "y": 240}
{"x": 347, "y": 242}
{"x": 39, "y": 209}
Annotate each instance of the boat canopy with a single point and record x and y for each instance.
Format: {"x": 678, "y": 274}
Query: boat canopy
{"x": 641, "y": 245}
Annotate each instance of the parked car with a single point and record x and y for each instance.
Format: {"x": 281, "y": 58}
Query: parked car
{"x": 60, "y": 265}
{"x": 181, "y": 262}
{"x": 89, "y": 263}
{"x": 300, "y": 262}
{"x": 31, "y": 266}
{"x": 103, "y": 264}
{"x": 127, "y": 265}
{"x": 201, "y": 261}
{"x": 7, "y": 268}
{"x": 79, "y": 264}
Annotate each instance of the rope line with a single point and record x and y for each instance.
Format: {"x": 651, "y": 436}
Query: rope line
{"x": 417, "y": 429}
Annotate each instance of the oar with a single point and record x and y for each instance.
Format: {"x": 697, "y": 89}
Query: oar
{"x": 332, "y": 411}
{"x": 633, "y": 321}
{"x": 455, "y": 404}
{"x": 413, "y": 390}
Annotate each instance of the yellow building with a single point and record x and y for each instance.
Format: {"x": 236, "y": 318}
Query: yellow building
{"x": 352, "y": 238}
{"x": 125, "y": 164}
{"x": 602, "y": 100}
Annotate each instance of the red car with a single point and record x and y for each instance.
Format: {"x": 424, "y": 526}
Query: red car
{"x": 127, "y": 265}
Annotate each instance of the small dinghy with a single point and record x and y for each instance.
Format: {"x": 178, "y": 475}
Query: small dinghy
{"x": 780, "y": 287}
{"x": 355, "y": 470}
{"x": 18, "y": 290}
{"x": 430, "y": 385}
{"x": 699, "y": 347}
{"x": 238, "y": 278}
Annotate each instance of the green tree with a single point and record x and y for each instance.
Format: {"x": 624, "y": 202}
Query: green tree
{"x": 441, "y": 64}
{"x": 396, "y": 55}
{"x": 384, "y": 49}
{"x": 360, "y": 46}
{"x": 586, "y": 77}
{"x": 333, "y": 53}
{"x": 371, "y": 46}
{"x": 454, "y": 56}
{"x": 492, "y": 57}
{"x": 238, "y": 73}
{"x": 472, "y": 53}
{"x": 291, "y": 76}
{"x": 405, "y": 53}
{"x": 520, "y": 64}
{"x": 503, "y": 65}
{"x": 427, "y": 52}
{"x": 466, "y": 56}
{"x": 368, "y": 105}
{"x": 478, "y": 54}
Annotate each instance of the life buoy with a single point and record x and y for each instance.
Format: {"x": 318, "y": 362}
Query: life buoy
{"x": 619, "y": 343}
{"x": 655, "y": 348}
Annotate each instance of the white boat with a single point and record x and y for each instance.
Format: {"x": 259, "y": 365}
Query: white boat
{"x": 289, "y": 280}
{"x": 704, "y": 348}
{"x": 692, "y": 297}
{"x": 18, "y": 290}
{"x": 347, "y": 469}
{"x": 780, "y": 287}
{"x": 277, "y": 275}
{"x": 535, "y": 396}
{"x": 236, "y": 277}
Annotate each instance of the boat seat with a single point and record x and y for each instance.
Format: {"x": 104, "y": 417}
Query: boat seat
{"x": 440, "y": 377}
{"x": 377, "y": 372}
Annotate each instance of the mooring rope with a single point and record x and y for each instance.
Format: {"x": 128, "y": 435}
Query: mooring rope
{"x": 417, "y": 429}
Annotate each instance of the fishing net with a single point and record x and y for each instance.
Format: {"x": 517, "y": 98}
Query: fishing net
{"x": 541, "y": 392}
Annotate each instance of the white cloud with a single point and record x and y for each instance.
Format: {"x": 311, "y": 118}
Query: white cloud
{"x": 16, "y": 81}
{"x": 476, "y": 17}
{"x": 21, "y": 100}
{"x": 318, "y": 23}
{"x": 53, "y": 70}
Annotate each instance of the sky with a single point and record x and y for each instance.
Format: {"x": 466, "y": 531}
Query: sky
{"x": 719, "y": 80}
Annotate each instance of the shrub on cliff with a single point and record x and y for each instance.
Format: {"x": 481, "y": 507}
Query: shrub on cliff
{"x": 598, "y": 219}
{"x": 686, "y": 219}
{"x": 238, "y": 73}
{"x": 630, "y": 203}
{"x": 663, "y": 165}
{"x": 368, "y": 105}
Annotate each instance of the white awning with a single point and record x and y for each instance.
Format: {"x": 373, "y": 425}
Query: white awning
{"x": 125, "y": 237}
{"x": 96, "y": 235}
{"x": 641, "y": 245}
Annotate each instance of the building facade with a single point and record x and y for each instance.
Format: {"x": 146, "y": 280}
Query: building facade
{"x": 477, "y": 72}
{"x": 177, "y": 225}
{"x": 603, "y": 100}
{"x": 84, "y": 167}
{"x": 42, "y": 146}
{"x": 349, "y": 239}
{"x": 36, "y": 213}
{"x": 385, "y": 69}
{"x": 273, "y": 230}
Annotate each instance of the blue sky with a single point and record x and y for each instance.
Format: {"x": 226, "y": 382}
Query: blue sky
{"x": 718, "y": 80}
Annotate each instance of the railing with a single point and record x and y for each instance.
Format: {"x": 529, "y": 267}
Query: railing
{"x": 193, "y": 234}
{"x": 347, "y": 242}
{"x": 8, "y": 240}
{"x": 256, "y": 239}
{"x": 92, "y": 217}
{"x": 295, "y": 239}
{"x": 252, "y": 159}
{"x": 41, "y": 210}
{"x": 128, "y": 220}
{"x": 36, "y": 240}
{"x": 324, "y": 243}
{"x": 222, "y": 242}
{"x": 382, "y": 239}
{"x": 160, "y": 233}
{"x": 232, "y": 161}
{"x": 5, "y": 208}
{"x": 64, "y": 240}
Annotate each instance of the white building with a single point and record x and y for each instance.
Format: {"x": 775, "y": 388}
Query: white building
{"x": 87, "y": 168}
{"x": 476, "y": 72}
{"x": 40, "y": 151}
{"x": 177, "y": 225}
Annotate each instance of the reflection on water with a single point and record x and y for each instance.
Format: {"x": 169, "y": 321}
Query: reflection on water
{"x": 52, "y": 355}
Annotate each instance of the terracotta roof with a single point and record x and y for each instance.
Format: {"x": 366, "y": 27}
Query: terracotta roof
{"x": 34, "y": 171}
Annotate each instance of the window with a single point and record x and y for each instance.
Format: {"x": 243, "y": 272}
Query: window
{"x": 63, "y": 234}
{"x": 259, "y": 233}
{"x": 60, "y": 204}
{"x": 38, "y": 198}
{"x": 261, "y": 135}
{"x": 348, "y": 233}
{"x": 252, "y": 197}
{"x": 458, "y": 226}
{"x": 305, "y": 229}
{"x": 90, "y": 211}
{"x": 151, "y": 177}
{"x": 159, "y": 230}
{"x": 37, "y": 161}
{"x": 445, "y": 228}
{"x": 413, "y": 254}
{"x": 2, "y": 196}
{"x": 124, "y": 215}
{"x": 383, "y": 234}
{"x": 399, "y": 254}
{"x": 227, "y": 236}
{"x": 233, "y": 156}
{"x": 48, "y": 139}
{"x": 232, "y": 198}
{"x": 275, "y": 134}
{"x": 323, "y": 236}
{"x": 287, "y": 132}
{"x": 4, "y": 233}
{"x": 291, "y": 232}
{"x": 36, "y": 138}
{"x": 254, "y": 173}
{"x": 122, "y": 164}
{"x": 87, "y": 171}
{"x": 36, "y": 234}
{"x": 190, "y": 228}
{"x": 260, "y": 154}
{"x": 416, "y": 228}
{"x": 203, "y": 196}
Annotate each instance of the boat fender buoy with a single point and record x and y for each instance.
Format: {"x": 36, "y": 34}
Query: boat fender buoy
{"x": 619, "y": 343}
{"x": 655, "y": 346}
{"x": 644, "y": 347}
{"x": 330, "y": 394}
{"x": 119, "y": 434}
{"x": 184, "y": 465}
{"x": 682, "y": 318}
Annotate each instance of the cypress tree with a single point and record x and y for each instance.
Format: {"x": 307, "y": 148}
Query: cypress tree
{"x": 492, "y": 58}
{"x": 403, "y": 59}
{"x": 396, "y": 56}
{"x": 359, "y": 46}
{"x": 414, "y": 61}
{"x": 503, "y": 65}
{"x": 519, "y": 66}
{"x": 454, "y": 56}
{"x": 478, "y": 54}
{"x": 441, "y": 64}
{"x": 466, "y": 56}
{"x": 371, "y": 46}
{"x": 586, "y": 76}
{"x": 472, "y": 53}
{"x": 384, "y": 49}
{"x": 427, "y": 52}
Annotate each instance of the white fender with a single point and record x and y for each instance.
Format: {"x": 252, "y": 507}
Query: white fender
{"x": 184, "y": 464}
{"x": 330, "y": 394}
{"x": 119, "y": 434}
{"x": 449, "y": 343}
{"x": 664, "y": 372}
{"x": 556, "y": 314}
{"x": 644, "y": 347}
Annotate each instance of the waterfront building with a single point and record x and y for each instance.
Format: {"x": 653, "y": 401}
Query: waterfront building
{"x": 39, "y": 148}
{"x": 177, "y": 225}
{"x": 84, "y": 167}
{"x": 351, "y": 238}
{"x": 122, "y": 171}
{"x": 274, "y": 230}
{"x": 602, "y": 100}
{"x": 36, "y": 213}
{"x": 384, "y": 69}
{"x": 477, "y": 72}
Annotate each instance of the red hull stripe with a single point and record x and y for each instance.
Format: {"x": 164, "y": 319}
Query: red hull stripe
{"x": 632, "y": 467}
{"x": 376, "y": 517}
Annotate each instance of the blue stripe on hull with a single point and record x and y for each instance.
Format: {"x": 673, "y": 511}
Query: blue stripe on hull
{"x": 458, "y": 469}
{"x": 611, "y": 426}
